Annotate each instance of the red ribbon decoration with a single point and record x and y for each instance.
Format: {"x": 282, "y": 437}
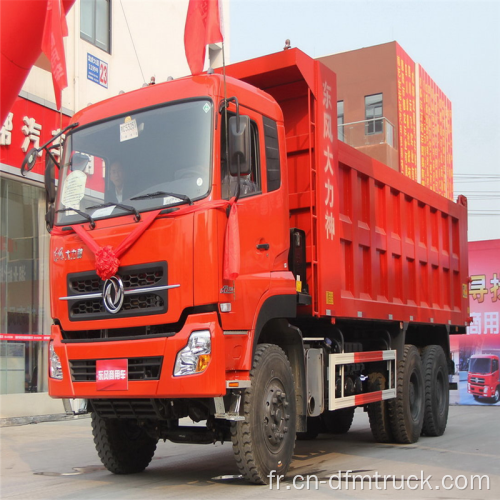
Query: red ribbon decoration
{"x": 107, "y": 260}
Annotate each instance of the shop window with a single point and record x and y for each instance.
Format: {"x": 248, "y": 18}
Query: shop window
{"x": 95, "y": 23}
{"x": 373, "y": 114}
{"x": 24, "y": 297}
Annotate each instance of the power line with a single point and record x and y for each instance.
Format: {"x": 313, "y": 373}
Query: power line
{"x": 133, "y": 44}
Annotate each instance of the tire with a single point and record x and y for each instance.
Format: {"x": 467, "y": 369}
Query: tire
{"x": 338, "y": 421}
{"x": 378, "y": 413}
{"x": 496, "y": 397}
{"x": 265, "y": 440}
{"x": 314, "y": 427}
{"x": 406, "y": 411}
{"x": 437, "y": 394}
{"x": 122, "y": 446}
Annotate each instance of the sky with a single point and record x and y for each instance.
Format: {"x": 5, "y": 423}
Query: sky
{"x": 456, "y": 42}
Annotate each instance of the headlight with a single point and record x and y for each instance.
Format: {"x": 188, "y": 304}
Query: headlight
{"x": 195, "y": 357}
{"x": 468, "y": 387}
{"x": 54, "y": 363}
{"x": 485, "y": 390}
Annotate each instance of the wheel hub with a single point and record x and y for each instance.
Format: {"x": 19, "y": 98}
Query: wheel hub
{"x": 276, "y": 415}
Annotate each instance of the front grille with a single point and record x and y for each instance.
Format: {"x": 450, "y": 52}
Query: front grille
{"x": 83, "y": 370}
{"x": 130, "y": 303}
{"x": 477, "y": 380}
{"x": 126, "y": 408}
{"x": 133, "y": 278}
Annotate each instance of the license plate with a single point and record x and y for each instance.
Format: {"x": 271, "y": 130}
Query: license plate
{"x": 111, "y": 374}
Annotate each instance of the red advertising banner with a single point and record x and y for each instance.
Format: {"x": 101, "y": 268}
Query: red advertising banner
{"x": 477, "y": 354}
{"x": 436, "y": 160}
{"x": 407, "y": 108}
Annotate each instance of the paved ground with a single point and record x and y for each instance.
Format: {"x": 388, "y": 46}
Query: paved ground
{"x": 57, "y": 460}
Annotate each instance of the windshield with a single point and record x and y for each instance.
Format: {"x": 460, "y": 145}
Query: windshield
{"x": 143, "y": 161}
{"x": 480, "y": 365}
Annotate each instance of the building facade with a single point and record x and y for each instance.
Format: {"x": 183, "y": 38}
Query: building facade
{"x": 112, "y": 47}
{"x": 389, "y": 108}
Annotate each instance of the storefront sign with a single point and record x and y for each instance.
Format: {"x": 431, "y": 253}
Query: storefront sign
{"x": 28, "y": 125}
{"x": 97, "y": 71}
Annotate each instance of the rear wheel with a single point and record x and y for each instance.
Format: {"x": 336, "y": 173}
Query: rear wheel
{"x": 265, "y": 440}
{"x": 406, "y": 411}
{"x": 122, "y": 446}
{"x": 437, "y": 395}
{"x": 378, "y": 412}
{"x": 338, "y": 421}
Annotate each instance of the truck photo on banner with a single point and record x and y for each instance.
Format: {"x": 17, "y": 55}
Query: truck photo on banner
{"x": 477, "y": 355}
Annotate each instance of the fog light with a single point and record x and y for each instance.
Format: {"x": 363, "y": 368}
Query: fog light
{"x": 195, "y": 357}
{"x": 54, "y": 363}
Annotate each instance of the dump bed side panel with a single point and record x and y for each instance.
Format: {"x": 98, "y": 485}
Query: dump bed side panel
{"x": 378, "y": 245}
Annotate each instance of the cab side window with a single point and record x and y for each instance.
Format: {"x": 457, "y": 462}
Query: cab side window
{"x": 249, "y": 184}
{"x": 495, "y": 365}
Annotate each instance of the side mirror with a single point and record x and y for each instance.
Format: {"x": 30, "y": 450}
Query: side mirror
{"x": 50, "y": 179}
{"x": 239, "y": 145}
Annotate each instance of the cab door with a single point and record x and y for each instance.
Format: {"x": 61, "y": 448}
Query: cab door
{"x": 263, "y": 228}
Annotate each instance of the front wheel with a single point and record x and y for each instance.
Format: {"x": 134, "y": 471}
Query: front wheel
{"x": 496, "y": 397}
{"x": 265, "y": 440}
{"x": 122, "y": 446}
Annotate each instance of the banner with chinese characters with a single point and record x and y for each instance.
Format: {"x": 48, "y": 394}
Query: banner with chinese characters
{"x": 436, "y": 159}
{"x": 407, "y": 109}
{"x": 477, "y": 354}
{"x": 28, "y": 125}
{"x": 326, "y": 184}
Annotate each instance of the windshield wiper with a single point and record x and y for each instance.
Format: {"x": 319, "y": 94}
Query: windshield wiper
{"x": 127, "y": 208}
{"x": 157, "y": 194}
{"x": 82, "y": 214}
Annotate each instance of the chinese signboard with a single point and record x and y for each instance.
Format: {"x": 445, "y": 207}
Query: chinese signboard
{"x": 435, "y": 137}
{"x": 97, "y": 71}
{"x": 28, "y": 125}
{"x": 425, "y": 127}
{"x": 327, "y": 172}
{"x": 407, "y": 114}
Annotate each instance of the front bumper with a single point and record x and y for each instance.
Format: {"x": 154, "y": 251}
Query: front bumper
{"x": 480, "y": 390}
{"x": 210, "y": 383}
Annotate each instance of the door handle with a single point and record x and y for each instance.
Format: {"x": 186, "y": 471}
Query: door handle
{"x": 263, "y": 246}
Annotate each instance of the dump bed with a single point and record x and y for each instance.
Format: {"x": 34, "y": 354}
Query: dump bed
{"x": 379, "y": 245}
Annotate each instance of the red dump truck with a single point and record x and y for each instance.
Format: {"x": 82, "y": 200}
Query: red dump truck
{"x": 217, "y": 253}
{"x": 483, "y": 379}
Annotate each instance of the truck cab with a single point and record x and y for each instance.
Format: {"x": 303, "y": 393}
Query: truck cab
{"x": 483, "y": 379}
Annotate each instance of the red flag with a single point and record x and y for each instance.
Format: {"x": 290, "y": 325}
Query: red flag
{"x": 202, "y": 28}
{"x": 52, "y": 46}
